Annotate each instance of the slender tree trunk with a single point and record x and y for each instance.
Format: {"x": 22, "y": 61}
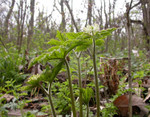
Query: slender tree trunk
{"x": 72, "y": 17}
{"x": 101, "y": 16}
{"x": 89, "y": 15}
{"x": 106, "y": 26}
{"x": 145, "y": 5}
{"x": 129, "y": 56}
{"x": 63, "y": 21}
{"x": 31, "y": 24}
{"x": 20, "y": 23}
{"x": 6, "y": 23}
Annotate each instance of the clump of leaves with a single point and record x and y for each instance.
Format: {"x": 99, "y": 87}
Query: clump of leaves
{"x": 9, "y": 67}
{"x": 109, "y": 111}
{"x": 87, "y": 95}
{"x": 15, "y": 91}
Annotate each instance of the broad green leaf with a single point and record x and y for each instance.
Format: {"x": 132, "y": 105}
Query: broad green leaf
{"x": 85, "y": 45}
{"x": 53, "y": 48}
{"x": 55, "y": 42}
{"x": 55, "y": 71}
{"x": 51, "y": 55}
{"x": 60, "y": 36}
{"x": 99, "y": 42}
{"x": 73, "y": 46}
{"x": 107, "y": 32}
{"x": 72, "y": 35}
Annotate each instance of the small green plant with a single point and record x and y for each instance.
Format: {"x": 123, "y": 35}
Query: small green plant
{"x": 15, "y": 90}
{"x": 109, "y": 110}
{"x": 87, "y": 95}
{"x": 3, "y": 110}
{"x": 96, "y": 38}
{"x": 9, "y": 67}
{"x": 62, "y": 97}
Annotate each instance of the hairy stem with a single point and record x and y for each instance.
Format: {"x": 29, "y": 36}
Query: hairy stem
{"x": 50, "y": 101}
{"x": 87, "y": 110}
{"x": 48, "y": 94}
{"x": 71, "y": 89}
{"x": 96, "y": 79}
{"x": 80, "y": 84}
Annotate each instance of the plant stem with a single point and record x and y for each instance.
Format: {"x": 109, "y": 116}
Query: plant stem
{"x": 87, "y": 110}
{"x": 96, "y": 79}
{"x": 43, "y": 89}
{"x": 71, "y": 89}
{"x": 80, "y": 85}
{"x": 21, "y": 110}
{"x": 50, "y": 100}
{"x": 48, "y": 94}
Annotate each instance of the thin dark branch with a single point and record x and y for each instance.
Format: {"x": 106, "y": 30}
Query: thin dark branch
{"x": 135, "y": 5}
{"x": 137, "y": 22}
{"x": 72, "y": 17}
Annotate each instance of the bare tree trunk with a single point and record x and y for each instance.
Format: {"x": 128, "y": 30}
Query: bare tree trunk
{"x": 145, "y": 5}
{"x": 63, "y": 21}
{"x": 31, "y": 24}
{"x": 71, "y": 18}
{"x": 129, "y": 56}
{"x": 106, "y": 26}
{"x": 101, "y": 18}
{"x": 89, "y": 15}
{"x": 7, "y": 19}
{"x": 22, "y": 7}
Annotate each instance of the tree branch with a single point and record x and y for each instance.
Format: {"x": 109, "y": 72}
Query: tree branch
{"x": 137, "y": 22}
{"x": 135, "y": 5}
{"x": 72, "y": 17}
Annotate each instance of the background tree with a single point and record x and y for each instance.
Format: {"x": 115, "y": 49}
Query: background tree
{"x": 31, "y": 24}
{"x": 6, "y": 23}
{"x": 63, "y": 21}
{"x": 20, "y": 16}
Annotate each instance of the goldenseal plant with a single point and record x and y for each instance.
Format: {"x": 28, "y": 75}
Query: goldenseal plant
{"x": 97, "y": 39}
{"x": 59, "y": 50}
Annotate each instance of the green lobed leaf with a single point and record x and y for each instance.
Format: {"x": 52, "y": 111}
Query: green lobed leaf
{"x": 99, "y": 42}
{"x": 60, "y": 36}
{"x": 72, "y": 35}
{"x": 55, "y": 53}
{"x": 105, "y": 33}
{"x": 85, "y": 45}
{"x": 73, "y": 45}
{"x": 54, "y": 42}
